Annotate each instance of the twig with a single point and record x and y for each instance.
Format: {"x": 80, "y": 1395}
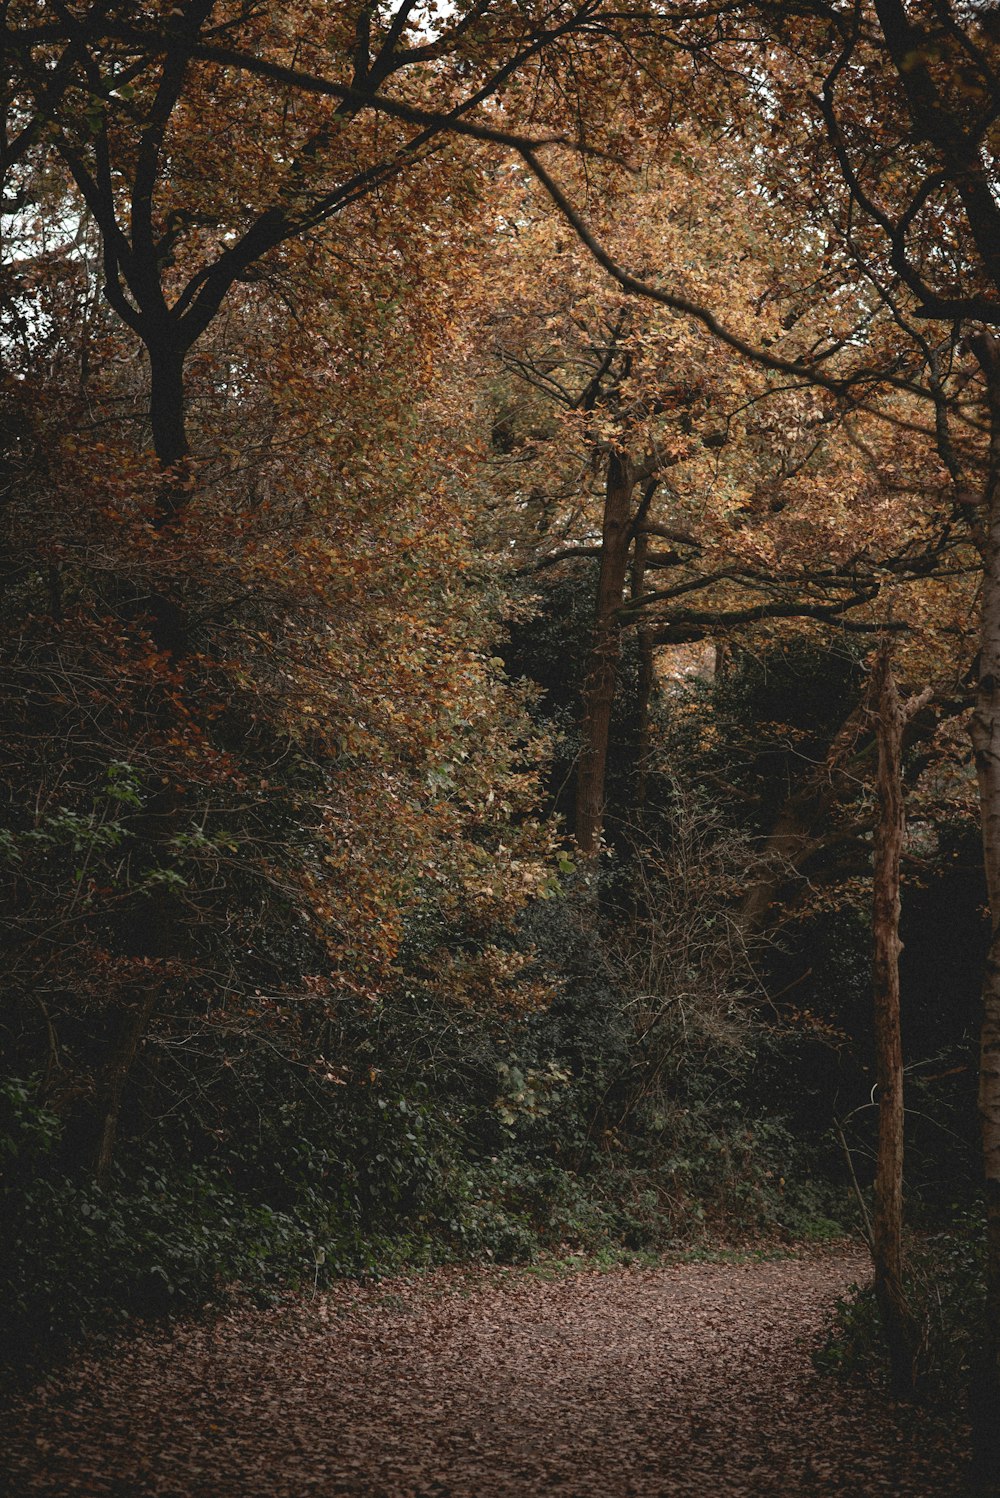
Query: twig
{"x": 865, "y": 1215}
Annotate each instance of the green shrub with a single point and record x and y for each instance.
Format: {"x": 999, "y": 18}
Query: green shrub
{"x": 76, "y": 1259}
{"x": 943, "y": 1281}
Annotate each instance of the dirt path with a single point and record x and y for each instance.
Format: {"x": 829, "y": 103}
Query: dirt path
{"x": 687, "y": 1380}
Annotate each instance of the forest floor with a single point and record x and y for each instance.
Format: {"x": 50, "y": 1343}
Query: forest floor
{"x": 686, "y": 1379}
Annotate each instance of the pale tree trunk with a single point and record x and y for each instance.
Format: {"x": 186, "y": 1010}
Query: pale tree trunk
{"x": 599, "y": 689}
{"x": 986, "y": 743}
{"x": 887, "y": 1226}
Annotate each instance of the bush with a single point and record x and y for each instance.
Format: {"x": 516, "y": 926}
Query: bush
{"x": 77, "y": 1260}
{"x": 620, "y": 1111}
{"x": 943, "y": 1281}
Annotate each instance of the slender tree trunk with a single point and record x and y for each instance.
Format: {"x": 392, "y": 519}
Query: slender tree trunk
{"x": 599, "y": 690}
{"x": 986, "y": 743}
{"x": 646, "y": 678}
{"x": 887, "y": 1227}
{"x": 134, "y": 1030}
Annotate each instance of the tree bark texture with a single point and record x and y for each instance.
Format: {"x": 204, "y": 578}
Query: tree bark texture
{"x": 599, "y": 688}
{"x": 887, "y": 1226}
{"x": 986, "y": 744}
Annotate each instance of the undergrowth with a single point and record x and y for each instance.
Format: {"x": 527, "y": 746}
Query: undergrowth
{"x": 637, "y": 1107}
{"x": 167, "y": 1236}
{"x": 943, "y": 1282}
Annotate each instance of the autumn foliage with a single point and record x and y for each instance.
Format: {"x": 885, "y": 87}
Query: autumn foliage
{"x": 459, "y": 470}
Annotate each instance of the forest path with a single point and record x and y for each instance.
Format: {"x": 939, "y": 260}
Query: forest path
{"x": 689, "y": 1379}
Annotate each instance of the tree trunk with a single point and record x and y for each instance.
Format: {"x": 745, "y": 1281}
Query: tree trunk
{"x": 646, "y": 679}
{"x": 133, "y": 1032}
{"x": 887, "y": 1228}
{"x": 167, "y": 414}
{"x": 599, "y": 690}
{"x": 986, "y": 743}
{"x": 793, "y": 836}
{"x": 167, "y": 408}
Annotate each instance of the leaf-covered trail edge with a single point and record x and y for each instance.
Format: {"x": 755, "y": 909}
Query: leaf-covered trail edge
{"x": 690, "y": 1379}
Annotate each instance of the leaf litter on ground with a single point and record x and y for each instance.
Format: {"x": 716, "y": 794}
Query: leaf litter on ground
{"x": 688, "y": 1379}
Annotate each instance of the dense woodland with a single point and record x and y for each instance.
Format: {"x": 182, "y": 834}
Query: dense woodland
{"x": 500, "y": 587}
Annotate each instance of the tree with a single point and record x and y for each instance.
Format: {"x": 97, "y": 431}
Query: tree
{"x": 143, "y": 111}
{"x": 887, "y": 1221}
{"x": 230, "y": 840}
{"x": 731, "y": 499}
{"x": 888, "y": 113}
{"x": 918, "y": 216}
